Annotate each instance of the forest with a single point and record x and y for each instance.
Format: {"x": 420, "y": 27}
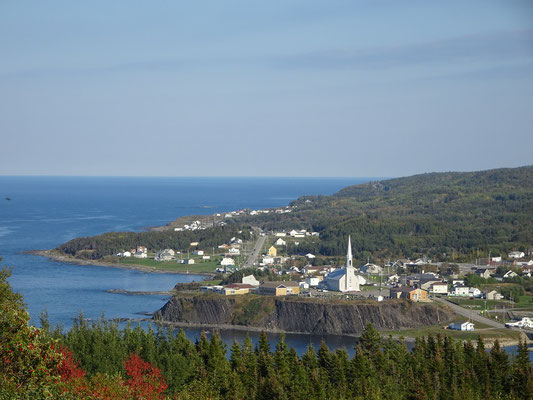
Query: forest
{"x": 449, "y": 216}
{"x": 99, "y": 360}
{"x": 452, "y": 216}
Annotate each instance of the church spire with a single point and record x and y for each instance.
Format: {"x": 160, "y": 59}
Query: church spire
{"x": 349, "y": 253}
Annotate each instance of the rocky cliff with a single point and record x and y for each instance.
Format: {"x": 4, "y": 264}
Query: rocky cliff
{"x": 301, "y": 315}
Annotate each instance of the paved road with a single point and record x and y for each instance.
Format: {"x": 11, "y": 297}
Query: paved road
{"x": 256, "y": 251}
{"x": 471, "y": 314}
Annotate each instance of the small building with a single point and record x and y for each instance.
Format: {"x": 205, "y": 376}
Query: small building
{"x": 124, "y": 254}
{"x": 237, "y": 288}
{"x": 140, "y": 254}
{"x": 234, "y": 251}
{"x": 483, "y": 272}
{"x": 206, "y": 257}
{"x": 226, "y": 261}
{"x": 250, "y": 280}
{"x": 280, "y": 242}
{"x": 198, "y": 252}
{"x": 413, "y": 294}
{"x": 268, "y": 260}
{"x": 462, "y": 326}
{"x": 492, "y": 295}
{"x": 272, "y": 288}
{"x": 371, "y": 269}
{"x": 310, "y": 256}
{"x": 460, "y": 290}
{"x": 439, "y": 288}
{"x": 474, "y": 292}
{"x": 313, "y": 281}
{"x": 165, "y": 255}
{"x": 280, "y": 234}
{"x": 516, "y": 254}
{"x": 525, "y": 322}
{"x": 194, "y": 244}
{"x": 272, "y": 252}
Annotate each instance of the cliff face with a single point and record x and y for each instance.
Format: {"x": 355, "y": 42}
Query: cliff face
{"x": 302, "y": 315}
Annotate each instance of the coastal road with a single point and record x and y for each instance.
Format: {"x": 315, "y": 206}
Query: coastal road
{"x": 471, "y": 314}
{"x": 256, "y": 251}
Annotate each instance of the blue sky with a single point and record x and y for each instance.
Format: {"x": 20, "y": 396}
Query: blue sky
{"x": 278, "y": 88}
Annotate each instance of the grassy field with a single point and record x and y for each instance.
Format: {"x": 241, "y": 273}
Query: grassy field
{"x": 484, "y": 332}
{"x": 201, "y": 266}
{"x": 480, "y": 304}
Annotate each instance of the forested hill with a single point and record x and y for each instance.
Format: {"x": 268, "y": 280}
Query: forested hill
{"x": 443, "y": 215}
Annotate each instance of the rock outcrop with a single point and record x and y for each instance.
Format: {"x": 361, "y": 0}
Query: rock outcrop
{"x": 300, "y": 315}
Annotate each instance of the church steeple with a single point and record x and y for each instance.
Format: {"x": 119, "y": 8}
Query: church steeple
{"x": 349, "y": 253}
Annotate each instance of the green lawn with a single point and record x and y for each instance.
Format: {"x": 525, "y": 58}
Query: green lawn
{"x": 480, "y": 304}
{"x": 201, "y": 267}
{"x": 485, "y": 333}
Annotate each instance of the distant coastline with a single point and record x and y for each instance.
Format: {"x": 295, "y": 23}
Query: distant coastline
{"x": 57, "y": 257}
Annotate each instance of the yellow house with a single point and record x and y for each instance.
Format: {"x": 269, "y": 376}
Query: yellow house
{"x": 272, "y": 252}
{"x": 410, "y": 293}
{"x": 237, "y": 288}
{"x": 279, "y": 288}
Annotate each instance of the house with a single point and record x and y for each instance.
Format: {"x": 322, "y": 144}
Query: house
{"x": 226, "y": 261}
{"x": 237, "y": 288}
{"x": 272, "y": 252}
{"x": 484, "y": 273}
{"x": 250, "y": 280}
{"x": 165, "y": 255}
{"x": 508, "y": 274}
{"x": 460, "y": 290}
{"x": 194, "y": 244}
{"x": 140, "y": 254}
{"x": 413, "y": 294}
{"x": 310, "y": 256}
{"x": 439, "y": 288}
{"x": 313, "y": 281}
{"x": 474, "y": 292}
{"x": 279, "y": 288}
{"x": 234, "y": 251}
{"x": 143, "y": 249}
{"x": 124, "y": 254}
{"x": 427, "y": 284}
{"x": 492, "y": 295}
{"x": 280, "y": 234}
{"x": 516, "y": 254}
{"x": 458, "y": 282}
{"x": 206, "y": 257}
{"x": 268, "y": 260}
{"x": 371, "y": 269}
{"x": 394, "y": 278}
{"x": 293, "y": 233}
{"x": 198, "y": 252}
{"x": 525, "y": 322}
{"x": 464, "y": 326}
{"x": 496, "y": 259}
{"x": 280, "y": 242}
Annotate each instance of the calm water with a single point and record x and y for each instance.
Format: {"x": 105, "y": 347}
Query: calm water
{"x": 46, "y": 211}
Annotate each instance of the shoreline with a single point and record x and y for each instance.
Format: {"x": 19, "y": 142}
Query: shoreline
{"x": 75, "y": 261}
{"x": 227, "y": 327}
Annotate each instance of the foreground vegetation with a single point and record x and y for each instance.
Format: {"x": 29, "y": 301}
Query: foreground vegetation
{"x": 101, "y": 361}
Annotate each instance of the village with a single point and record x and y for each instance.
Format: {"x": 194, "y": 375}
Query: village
{"x": 486, "y": 288}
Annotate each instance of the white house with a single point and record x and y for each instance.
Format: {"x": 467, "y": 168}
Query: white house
{"x": 206, "y": 257}
{"x": 465, "y": 326}
{"x": 250, "y": 280}
{"x": 140, "y": 254}
{"x": 463, "y": 291}
{"x": 525, "y": 322}
{"x": 198, "y": 252}
{"x": 474, "y": 292}
{"x": 310, "y": 256}
{"x": 516, "y": 254}
{"x": 234, "y": 251}
{"x": 439, "y": 288}
{"x": 280, "y": 234}
{"x": 280, "y": 242}
{"x": 372, "y": 269}
{"x": 165, "y": 255}
{"x": 124, "y": 254}
{"x": 268, "y": 260}
{"x": 313, "y": 281}
{"x": 496, "y": 259}
{"x": 227, "y": 261}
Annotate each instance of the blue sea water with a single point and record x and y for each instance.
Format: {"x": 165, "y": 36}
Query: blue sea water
{"x": 44, "y": 212}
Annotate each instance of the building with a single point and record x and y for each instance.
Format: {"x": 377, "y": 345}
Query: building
{"x": 344, "y": 280}
{"x": 405, "y": 292}
{"x": 165, "y": 255}
{"x": 484, "y": 272}
{"x": 371, "y": 269}
{"x": 280, "y": 242}
{"x": 226, "y": 261}
{"x": 272, "y": 252}
{"x": 310, "y": 256}
{"x": 464, "y": 326}
{"x": 525, "y": 322}
{"x": 250, "y": 280}
{"x": 198, "y": 252}
{"x": 460, "y": 290}
{"x": 140, "y": 254}
{"x": 516, "y": 254}
{"x": 492, "y": 295}
{"x": 313, "y": 281}
{"x": 439, "y": 288}
{"x": 234, "y": 251}
{"x": 237, "y": 288}
{"x": 279, "y": 288}
{"x": 474, "y": 292}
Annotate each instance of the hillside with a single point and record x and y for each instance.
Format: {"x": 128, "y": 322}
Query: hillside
{"x": 443, "y": 215}
{"x": 447, "y": 216}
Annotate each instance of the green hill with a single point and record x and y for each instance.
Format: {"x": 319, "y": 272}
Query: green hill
{"x": 442, "y": 215}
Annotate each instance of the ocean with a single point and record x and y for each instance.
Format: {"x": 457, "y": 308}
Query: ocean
{"x": 43, "y": 212}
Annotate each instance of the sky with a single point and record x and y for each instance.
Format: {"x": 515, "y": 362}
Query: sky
{"x": 357, "y": 88}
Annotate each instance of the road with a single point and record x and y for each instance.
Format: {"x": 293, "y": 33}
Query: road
{"x": 256, "y": 251}
{"x": 471, "y": 314}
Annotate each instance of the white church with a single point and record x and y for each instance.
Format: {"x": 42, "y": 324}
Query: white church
{"x": 345, "y": 280}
